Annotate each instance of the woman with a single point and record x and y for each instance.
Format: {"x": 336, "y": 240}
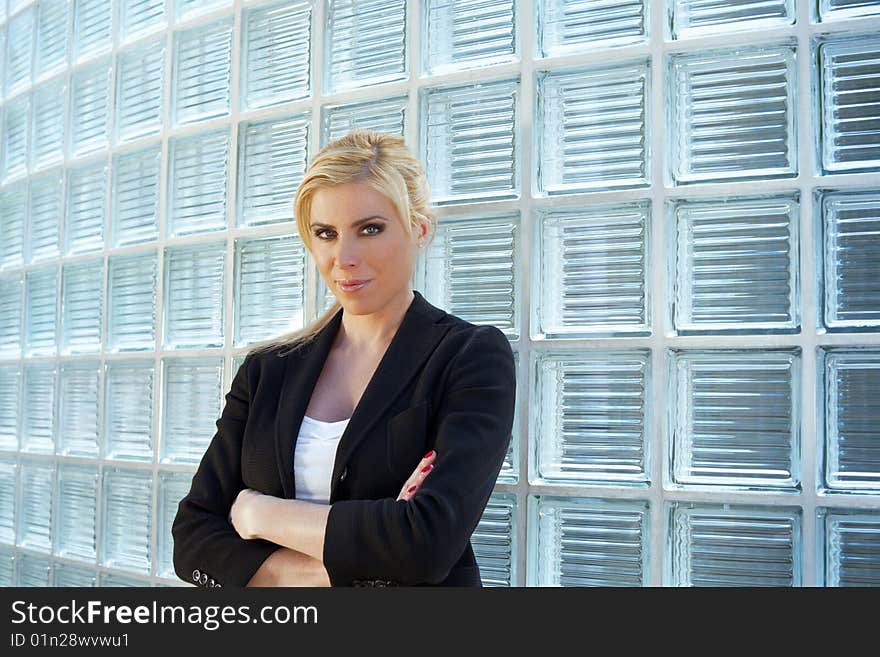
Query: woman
{"x": 361, "y": 450}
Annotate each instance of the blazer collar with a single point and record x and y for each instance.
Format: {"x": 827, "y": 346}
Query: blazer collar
{"x": 415, "y": 339}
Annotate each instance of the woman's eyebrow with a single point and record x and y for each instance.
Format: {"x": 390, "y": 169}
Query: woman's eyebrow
{"x": 353, "y": 224}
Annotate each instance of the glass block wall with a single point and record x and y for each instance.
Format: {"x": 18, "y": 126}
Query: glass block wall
{"x": 671, "y": 207}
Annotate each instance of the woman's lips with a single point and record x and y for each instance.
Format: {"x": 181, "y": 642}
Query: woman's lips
{"x": 353, "y": 286}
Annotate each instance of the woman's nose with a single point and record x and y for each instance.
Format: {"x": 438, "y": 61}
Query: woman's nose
{"x": 347, "y": 251}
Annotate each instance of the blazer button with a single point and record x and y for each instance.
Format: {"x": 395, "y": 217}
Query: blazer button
{"x": 344, "y": 472}
{"x": 212, "y": 583}
{"x": 204, "y": 579}
{"x": 196, "y": 575}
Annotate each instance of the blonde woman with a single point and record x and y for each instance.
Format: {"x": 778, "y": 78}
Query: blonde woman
{"x": 362, "y": 449}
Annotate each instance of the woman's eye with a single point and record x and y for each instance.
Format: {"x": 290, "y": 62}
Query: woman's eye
{"x": 377, "y": 226}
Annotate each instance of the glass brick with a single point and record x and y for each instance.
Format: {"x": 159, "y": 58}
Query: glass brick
{"x": 187, "y": 9}
{"x": 736, "y": 265}
{"x": 78, "y": 410}
{"x": 734, "y": 418}
{"x": 849, "y": 547}
{"x": 19, "y": 51}
{"x": 833, "y": 10}
{"x": 848, "y": 72}
{"x": 467, "y": 34}
{"x": 85, "y": 214}
{"x": 38, "y": 409}
{"x": 70, "y": 575}
{"x": 198, "y": 171}
{"x": 468, "y": 141}
{"x": 581, "y": 542}
{"x": 90, "y": 109}
{"x": 11, "y": 288}
{"x": 51, "y": 43}
{"x": 704, "y": 18}
{"x": 138, "y": 18}
{"x": 44, "y": 221}
{"x": 849, "y": 385}
{"x": 131, "y": 317}
{"x": 33, "y": 570}
{"x": 16, "y": 117}
{"x": 469, "y": 268}
{"x": 126, "y": 525}
{"x": 494, "y": 541}
{"x": 732, "y": 545}
{"x": 10, "y": 396}
{"x": 566, "y": 27}
{"x": 139, "y": 90}
{"x": 269, "y": 296}
{"x": 509, "y": 473}
{"x": 92, "y": 28}
{"x": 134, "y": 213}
{"x": 128, "y": 410}
{"x": 7, "y": 566}
{"x": 385, "y": 115}
{"x": 40, "y": 318}
{"x": 272, "y": 160}
{"x": 592, "y": 267}
{"x": 590, "y": 421}
{"x": 8, "y": 487}
{"x": 849, "y": 224}
{"x": 82, "y": 305}
{"x": 35, "y": 508}
{"x": 275, "y": 54}
{"x": 77, "y": 501}
{"x": 47, "y": 132}
{"x": 114, "y": 580}
{"x": 173, "y": 487}
{"x": 202, "y": 72}
{"x": 194, "y": 283}
{"x": 731, "y": 114}
{"x": 192, "y": 394}
{"x": 13, "y": 201}
{"x": 364, "y": 43}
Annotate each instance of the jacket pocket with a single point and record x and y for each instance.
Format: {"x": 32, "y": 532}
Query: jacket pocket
{"x": 407, "y": 440}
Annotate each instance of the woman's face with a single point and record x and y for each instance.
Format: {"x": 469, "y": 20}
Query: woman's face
{"x": 357, "y": 235}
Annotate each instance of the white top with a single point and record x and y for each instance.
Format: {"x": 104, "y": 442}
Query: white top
{"x": 314, "y": 456}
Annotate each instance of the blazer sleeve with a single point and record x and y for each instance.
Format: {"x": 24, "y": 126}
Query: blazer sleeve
{"x": 204, "y": 539}
{"x": 420, "y": 540}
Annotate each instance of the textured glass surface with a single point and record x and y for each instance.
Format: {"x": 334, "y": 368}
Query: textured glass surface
{"x": 47, "y": 130}
{"x": 187, "y": 9}
{"x": 699, "y": 18}
{"x": 70, "y": 575}
{"x": 113, "y": 580}
{"x": 592, "y": 128}
{"x": 19, "y": 51}
{"x": 590, "y": 273}
{"x": 849, "y": 223}
{"x": 51, "y": 44}
{"x": 126, "y": 519}
{"x": 731, "y": 545}
{"x": 128, "y": 410}
{"x": 850, "y": 387}
{"x": 460, "y": 34}
{"x": 269, "y": 296}
{"x": 12, "y": 213}
{"x": 734, "y": 418}
{"x": 134, "y": 215}
{"x": 276, "y": 54}
{"x": 131, "y": 315}
{"x": 731, "y": 114}
{"x": 92, "y": 28}
{"x": 140, "y": 17}
{"x": 736, "y": 265}
{"x": 8, "y": 481}
{"x": 7, "y": 566}
{"x": 16, "y": 117}
{"x": 846, "y": 9}
{"x": 35, "y": 504}
{"x": 33, "y": 570}
{"x": 76, "y": 521}
{"x": 468, "y": 141}
{"x": 194, "y": 285}
{"x": 192, "y": 393}
{"x": 11, "y": 288}
{"x": 272, "y": 159}
{"x": 849, "y": 81}
{"x": 90, "y": 109}
{"x": 38, "y": 408}
{"x": 173, "y": 487}
{"x": 569, "y": 26}
{"x": 386, "y": 115}
{"x": 202, "y": 73}
{"x": 79, "y": 389}
{"x": 470, "y": 270}
{"x": 591, "y": 417}
{"x": 140, "y": 82}
{"x": 494, "y": 541}
{"x": 84, "y": 209}
{"x": 82, "y": 304}
{"x": 44, "y": 217}
{"x": 588, "y": 542}
{"x": 364, "y": 43}
{"x": 849, "y": 547}
{"x": 10, "y": 396}
{"x": 40, "y": 314}
{"x": 197, "y": 175}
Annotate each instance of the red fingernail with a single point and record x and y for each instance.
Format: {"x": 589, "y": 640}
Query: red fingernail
{"x": 428, "y": 467}
{"x": 428, "y": 454}
{"x": 410, "y": 489}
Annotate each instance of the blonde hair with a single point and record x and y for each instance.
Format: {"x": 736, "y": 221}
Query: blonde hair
{"x": 377, "y": 159}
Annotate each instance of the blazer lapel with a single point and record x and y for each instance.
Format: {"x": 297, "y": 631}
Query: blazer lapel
{"x": 413, "y": 342}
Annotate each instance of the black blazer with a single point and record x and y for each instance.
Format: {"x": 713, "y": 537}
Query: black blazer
{"x": 443, "y": 384}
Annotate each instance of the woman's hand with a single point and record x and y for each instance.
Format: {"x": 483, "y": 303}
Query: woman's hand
{"x": 244, "y": 513}
{"x": 423, "y": 469}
